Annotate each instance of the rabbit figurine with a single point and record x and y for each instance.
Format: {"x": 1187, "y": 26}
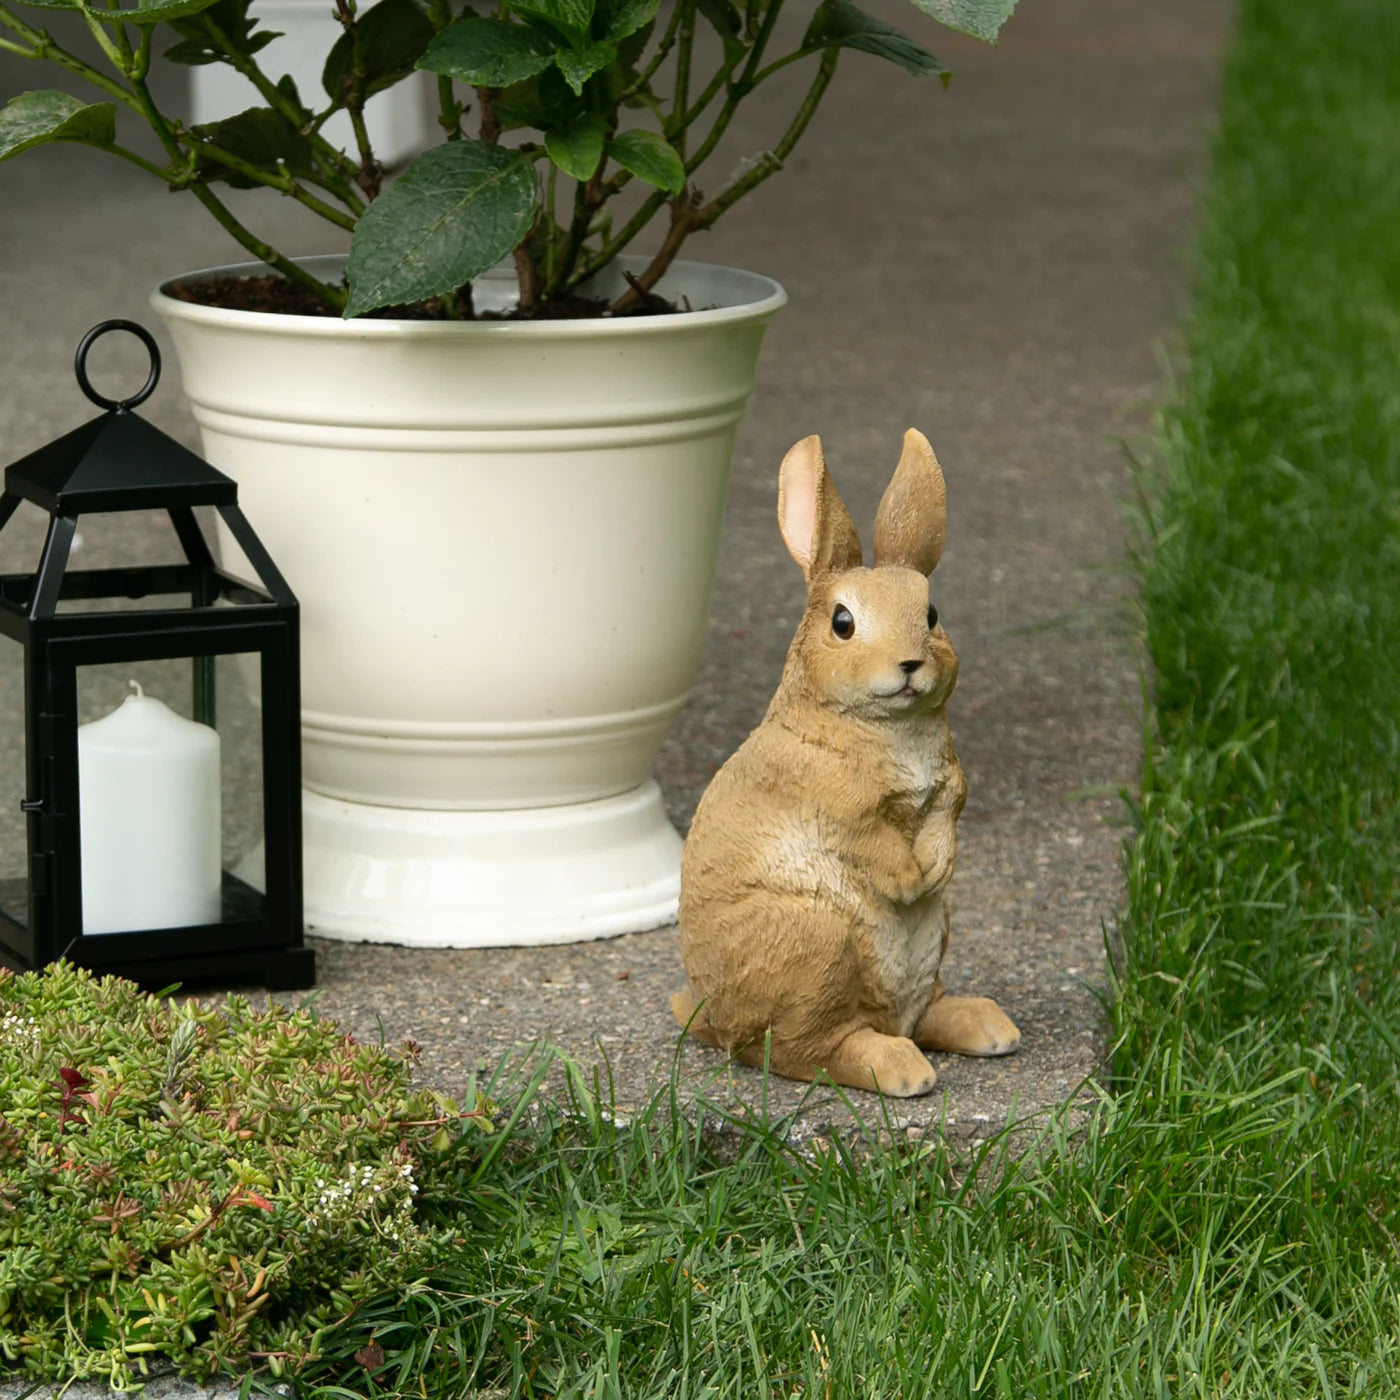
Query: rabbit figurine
{"x": 812, "y": 881}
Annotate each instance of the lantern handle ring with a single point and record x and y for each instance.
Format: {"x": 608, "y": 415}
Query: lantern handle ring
{"x": 85, "y": 384}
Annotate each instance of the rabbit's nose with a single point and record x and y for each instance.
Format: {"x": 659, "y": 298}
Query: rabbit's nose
{"x": 909, "y": 667}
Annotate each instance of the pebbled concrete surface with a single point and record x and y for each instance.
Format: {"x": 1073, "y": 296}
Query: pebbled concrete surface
{"x": 996, "y": 265}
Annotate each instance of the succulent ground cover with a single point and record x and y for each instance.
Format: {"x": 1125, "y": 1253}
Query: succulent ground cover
{"x": 213, "y": 1186}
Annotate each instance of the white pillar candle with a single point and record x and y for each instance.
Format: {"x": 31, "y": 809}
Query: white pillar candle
{"x": 148, "y": 794}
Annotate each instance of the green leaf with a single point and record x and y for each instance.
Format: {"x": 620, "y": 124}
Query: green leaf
{"x": 579, "y": 65}
{"x": 392, "y": 38}
{"x": 546, "y": 103}
{"x": 626, "y": 17}
{"x": 981, "y": 18}
{"x": 238, "y": 28}
{"x": 725, "y": 20}
{"x": 145, "y": 12}
{"x": 287, "y": 86}
{"x": 488, "y": 52}
{"x": 839, "y": 24}
{"x": 152, "y": 11}
{"x": 458, "y": 210}
{"x": 148, "y": 12}
{"x": 578, "y": 150}
{"x": 34, "y": 118}
{"x": 194, "y": 52}
{"x": 649, "y": 158}
{"x": 260, "y": 136}
{"x": 570, "y": 17}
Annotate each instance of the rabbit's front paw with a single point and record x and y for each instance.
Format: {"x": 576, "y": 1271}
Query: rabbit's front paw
{"x": 936, "y": 849}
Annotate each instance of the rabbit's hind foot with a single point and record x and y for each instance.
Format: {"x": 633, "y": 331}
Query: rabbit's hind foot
{"x": 691, "y": 1016}
{"x": 966, "y": 1026}
{"x": 889, "y": 1064}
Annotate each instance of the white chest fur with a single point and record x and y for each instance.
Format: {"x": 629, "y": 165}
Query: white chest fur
{"x": 920, "y": 763}
{"x": 907, "y": 951}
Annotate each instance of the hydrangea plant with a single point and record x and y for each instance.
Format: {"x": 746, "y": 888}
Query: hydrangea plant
{"x": 570, "y": 102}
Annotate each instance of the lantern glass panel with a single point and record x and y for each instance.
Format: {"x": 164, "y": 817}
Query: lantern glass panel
{"x": 172, "y": 817}
{"x": 14, "y": 850}
{"x": 122, "y": 540}
{"x": 22, "y": 541}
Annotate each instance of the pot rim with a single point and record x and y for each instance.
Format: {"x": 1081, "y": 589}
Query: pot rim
{"x": 769, "y": 298}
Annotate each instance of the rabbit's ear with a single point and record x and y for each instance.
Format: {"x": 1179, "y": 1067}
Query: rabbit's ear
{"x": 816, "y": 526}
{"x": 912, "y": 521}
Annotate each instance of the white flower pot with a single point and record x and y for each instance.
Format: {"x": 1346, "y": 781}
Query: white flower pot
{"x": 503, "y": 536}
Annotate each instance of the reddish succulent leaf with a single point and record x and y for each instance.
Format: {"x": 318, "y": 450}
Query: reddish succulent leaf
{"x": 371, "y": 1356}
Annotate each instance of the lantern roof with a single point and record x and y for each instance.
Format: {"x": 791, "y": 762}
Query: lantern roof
{"x": 116, "y": 462}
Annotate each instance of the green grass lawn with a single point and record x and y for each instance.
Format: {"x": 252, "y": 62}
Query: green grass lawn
{"x": 1225, "y": 1222}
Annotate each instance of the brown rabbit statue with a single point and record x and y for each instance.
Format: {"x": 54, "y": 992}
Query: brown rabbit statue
{"x": 813, "y": 922}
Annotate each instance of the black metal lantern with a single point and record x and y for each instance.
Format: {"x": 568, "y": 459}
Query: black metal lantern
{"x": 68, "y": 620}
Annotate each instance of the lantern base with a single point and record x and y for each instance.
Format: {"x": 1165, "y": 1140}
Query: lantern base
{"x": 490, "y": 879}
{"x": 283, "y": 969}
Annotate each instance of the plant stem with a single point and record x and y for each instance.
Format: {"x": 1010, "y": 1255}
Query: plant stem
{"x": 573, "y": 242}
{"x": 748, "y": 81}
{"x": 44, "y": 47}
{"x": 525, "y": 274}
{"x": 738, "y": 90}
{"x": 332, "y": 160}
{"x": 490, "y": 128}
{"x": 686, "y": 218}
{"x": 663, "y": 49}
{"x": 371, "y": 174}
{"x": 449, "y": 109}
{"x": 629, "y": 231}
{"x": 332, "y": 296}
{"x": 760, "y": 45}
{"x": 772, "y": 161}
{"x": 686, "y": 9}
{"x": 715, "y": 85}
{"x": 175, "y": 180}
{"x": 123, "y": 44}
{"x": 551, "y": 225}
{"x": 118, "y": 55}
{"x": 285, "y": 183}
{"x": 780, "y": 63}
{"x": 142, "y": 66}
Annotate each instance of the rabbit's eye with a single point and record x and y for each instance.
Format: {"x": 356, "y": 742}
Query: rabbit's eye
{"x": 932, "y": 617}
{"x": 842, "y": 623}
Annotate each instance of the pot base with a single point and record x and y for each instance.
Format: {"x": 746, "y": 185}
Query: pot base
{"x": 490, "y": 879}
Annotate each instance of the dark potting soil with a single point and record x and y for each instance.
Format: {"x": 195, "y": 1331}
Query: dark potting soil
{"x": 276, "y": 294}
